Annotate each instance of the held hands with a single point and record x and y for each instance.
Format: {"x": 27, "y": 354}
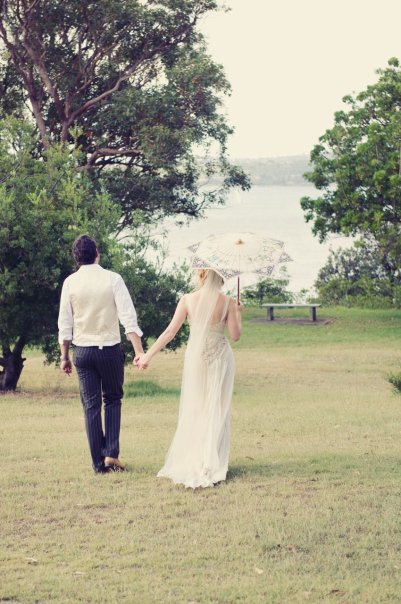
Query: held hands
{"x": 142, "y": 361}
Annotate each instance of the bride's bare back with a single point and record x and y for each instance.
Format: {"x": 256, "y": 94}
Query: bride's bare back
{"x": 231, "y": 316}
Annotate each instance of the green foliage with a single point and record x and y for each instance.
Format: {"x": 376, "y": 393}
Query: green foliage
{"x": 356, "y": 277}
{"x": 44, "y": 205}
{"x": 122, "y": 93}
{"x": 357, "y": 166}
{"x": 134, "y": 78}
{"x": 395, "y": 381}
{"x": 267, "y": 290}
{"x": 362, "y": 293}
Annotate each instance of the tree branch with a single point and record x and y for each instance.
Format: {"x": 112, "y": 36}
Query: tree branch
{"x": 36, "y": 108}
{"x": 109, "y": 151}
{"x": 6, "y": 349}
{"x": 88, "y": 67}
{"x": 28, "y": 79}
{"x": 27, "y": 9}
{"x": 146, "y": 57}
{"x": 96, "y": 100}
{"x": 18, "y": 348}
{"x": 40, "y": 67}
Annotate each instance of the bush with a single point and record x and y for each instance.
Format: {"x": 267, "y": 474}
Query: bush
{"x": 359, "y": 276}
{"x": 363, "y": 292}
{"x": 395, "y": 381}
{"x": 267, "y": 290}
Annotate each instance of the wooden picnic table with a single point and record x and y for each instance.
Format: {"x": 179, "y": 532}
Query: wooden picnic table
{"x": 271, "y": 306}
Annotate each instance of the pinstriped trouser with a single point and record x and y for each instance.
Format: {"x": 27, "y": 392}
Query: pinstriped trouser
{"x": 101, "y": 371}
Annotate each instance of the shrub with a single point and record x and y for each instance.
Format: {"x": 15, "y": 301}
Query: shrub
{"x": 395, "y": 381}
{"x": 359, "y": 276}
{"x": 267, "y": 290}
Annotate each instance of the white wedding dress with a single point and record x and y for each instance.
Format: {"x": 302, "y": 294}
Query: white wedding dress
{"x": 198, "y": 455}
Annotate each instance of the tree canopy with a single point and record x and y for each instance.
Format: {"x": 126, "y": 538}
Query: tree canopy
{"x": 44, "y": 205}
{"x": 103, "y": 107}
{"x": 135, "y": 80}
{"x": 356, "y": 276}
{"x": 357, "y": 165}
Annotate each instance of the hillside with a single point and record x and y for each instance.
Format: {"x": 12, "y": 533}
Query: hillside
{"x": 276, "y": 170}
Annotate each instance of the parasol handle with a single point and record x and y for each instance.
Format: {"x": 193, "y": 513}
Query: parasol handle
{"x": 238, "y": 290}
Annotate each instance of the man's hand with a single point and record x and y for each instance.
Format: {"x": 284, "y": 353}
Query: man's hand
{"x": 66, "y": 366}
{"x": 141, "y": 361}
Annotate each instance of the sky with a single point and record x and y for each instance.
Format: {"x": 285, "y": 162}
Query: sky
{"x": 290, "y": 62}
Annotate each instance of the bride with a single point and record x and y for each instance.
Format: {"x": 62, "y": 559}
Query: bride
{"x": 198, "y": 455}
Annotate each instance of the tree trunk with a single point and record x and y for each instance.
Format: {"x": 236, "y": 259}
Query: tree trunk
{"x": 12, "y": 363}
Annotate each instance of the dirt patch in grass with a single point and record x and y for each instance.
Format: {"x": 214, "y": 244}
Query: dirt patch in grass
{"x": 291, "y": 321}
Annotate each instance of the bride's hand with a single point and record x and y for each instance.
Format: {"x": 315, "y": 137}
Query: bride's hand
{"x": 142, "y": 361}
{"x": 239, "y": 306}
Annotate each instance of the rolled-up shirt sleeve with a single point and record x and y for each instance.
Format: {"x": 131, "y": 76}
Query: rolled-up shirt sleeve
{"x": 125, "y": 307}
{"x": 65, "y": 317}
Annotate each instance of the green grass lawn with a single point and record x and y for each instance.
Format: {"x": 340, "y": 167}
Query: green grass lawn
{"x": 311, "y": 510}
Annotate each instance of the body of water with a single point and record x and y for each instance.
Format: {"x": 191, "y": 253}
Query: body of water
{"x": 272, "y": 211}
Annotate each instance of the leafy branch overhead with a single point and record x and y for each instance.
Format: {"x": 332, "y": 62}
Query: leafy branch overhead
{"x": 135, "y": 80}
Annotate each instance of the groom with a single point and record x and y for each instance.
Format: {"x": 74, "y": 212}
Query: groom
{"x": 93, "y": 300}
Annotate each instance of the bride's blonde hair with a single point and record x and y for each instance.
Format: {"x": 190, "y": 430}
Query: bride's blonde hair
{"x": 202, "y": 274}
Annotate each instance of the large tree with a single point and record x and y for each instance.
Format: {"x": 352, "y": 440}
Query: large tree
{"x": 357, "y": 168}
{"x": 135, "y": 80}
{"x": 43, "y": 206}
{"x": 122, "y": 95}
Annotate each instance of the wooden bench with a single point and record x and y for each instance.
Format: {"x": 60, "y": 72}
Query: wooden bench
{"x": 271, "y": 306}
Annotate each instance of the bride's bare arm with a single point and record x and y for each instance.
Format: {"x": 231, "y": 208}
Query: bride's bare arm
{"x": 168, "y": 334}
{"x": 234, "y": 320}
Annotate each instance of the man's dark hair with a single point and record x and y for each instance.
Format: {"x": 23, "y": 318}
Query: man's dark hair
{"x": 84, "y": 250}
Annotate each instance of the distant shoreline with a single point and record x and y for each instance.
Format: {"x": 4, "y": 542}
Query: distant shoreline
{"x": 285, "y": 171}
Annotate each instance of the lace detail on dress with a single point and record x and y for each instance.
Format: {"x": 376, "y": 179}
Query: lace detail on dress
{"x": 215, "y": 343}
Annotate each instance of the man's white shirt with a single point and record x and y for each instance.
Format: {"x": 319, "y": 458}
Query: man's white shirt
{"x": 124, "y": 306}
